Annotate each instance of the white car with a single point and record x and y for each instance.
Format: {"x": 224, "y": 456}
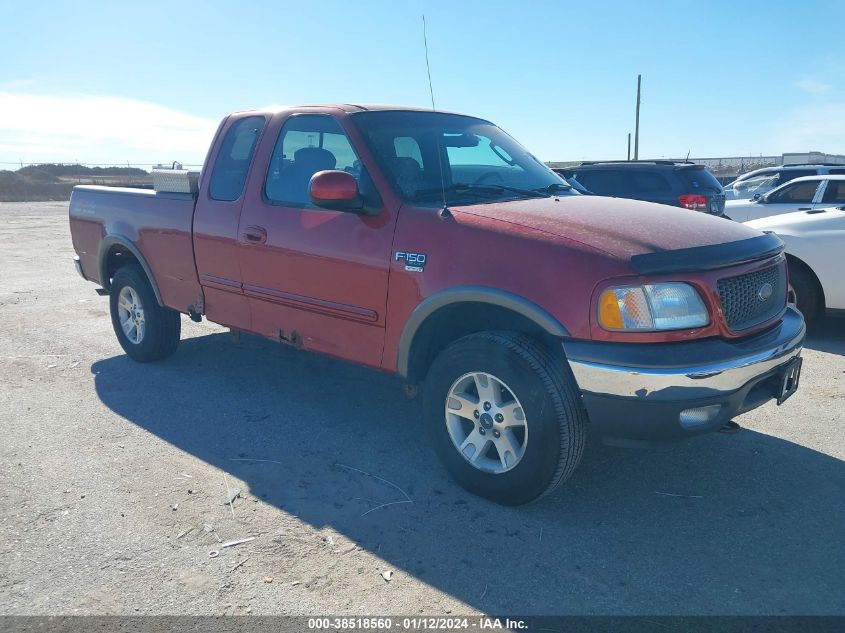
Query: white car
{"x": 802, "y": 194}
{"x": 763, "y": 180}
{"x": 815, "y": 242}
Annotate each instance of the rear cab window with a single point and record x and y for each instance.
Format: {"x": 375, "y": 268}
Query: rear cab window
{"x": 234, "y": 159}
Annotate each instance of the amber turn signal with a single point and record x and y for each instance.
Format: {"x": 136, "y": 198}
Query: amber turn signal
{"x": 610, "y": 316}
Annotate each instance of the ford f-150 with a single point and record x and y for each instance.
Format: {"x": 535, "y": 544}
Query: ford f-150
{"x": 434, "y": 246}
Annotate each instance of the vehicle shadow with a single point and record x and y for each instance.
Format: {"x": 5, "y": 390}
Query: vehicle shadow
{"x": 744, "y": 524}
{"x": 827, "y": 335}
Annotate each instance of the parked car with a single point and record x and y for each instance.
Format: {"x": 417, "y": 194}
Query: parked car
{"x": 678, "y": 184}
{"x": 815, "y": 242}
{"x": 801, "y": 194}
{"x": 435, "y": 247}
{"x": 761, "y": 181}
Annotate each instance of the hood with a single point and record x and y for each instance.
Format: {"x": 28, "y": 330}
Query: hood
{"x": 741, "y": 204}
{"x": 815, "y": 220}
{"x": 620, "y": 227}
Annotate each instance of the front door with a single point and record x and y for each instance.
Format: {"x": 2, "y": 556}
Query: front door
{"x": 796, "y": 196}
{"x": 314, "y": 278}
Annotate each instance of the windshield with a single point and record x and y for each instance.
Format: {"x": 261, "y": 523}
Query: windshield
{"x": 755, "y": 184}
{"x": 478, "y": 161}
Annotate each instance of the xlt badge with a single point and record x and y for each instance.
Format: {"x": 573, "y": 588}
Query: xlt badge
{"x": 414, "y": 262}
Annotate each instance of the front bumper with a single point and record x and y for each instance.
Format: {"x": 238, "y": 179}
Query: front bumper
{"x": 645, "y": 392}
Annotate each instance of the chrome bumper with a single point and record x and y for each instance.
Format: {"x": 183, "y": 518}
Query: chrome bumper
{"x": 643, "y": 391}
{"x": 78, "y": 266}
{"x": 732, "y": 365}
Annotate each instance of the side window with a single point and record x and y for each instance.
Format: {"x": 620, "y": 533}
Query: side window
{"x": 835, "y": 192}
{"x": 647, "y": 182}
{"x": 801, "y": 192}
{"x": 307, "y": 144}
{"x": 837, "y": 172}
{"x": 603, "y": 183}
{"x": 232, "y": 165}
{"x": 791, "y": 174}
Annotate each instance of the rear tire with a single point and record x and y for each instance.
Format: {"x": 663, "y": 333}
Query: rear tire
{"x": 522, "y": 375}
{"x": 804, "y": 291}
{"x": 145, "y": 330}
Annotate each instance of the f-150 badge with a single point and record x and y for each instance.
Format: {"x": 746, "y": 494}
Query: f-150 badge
{"x": 414, "y": 262}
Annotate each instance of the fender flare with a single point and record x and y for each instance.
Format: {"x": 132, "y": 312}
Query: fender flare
{"x": 121, "y": 240}
{"x": 471, "y": 294}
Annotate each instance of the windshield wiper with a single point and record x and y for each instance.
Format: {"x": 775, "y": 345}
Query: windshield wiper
{"x": 553, "y": 188}
{"x": 460, "y": 187}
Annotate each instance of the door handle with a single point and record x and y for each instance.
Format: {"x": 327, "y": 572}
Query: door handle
{"x": 254, "y": 235}
{"x": 804, "y": 208}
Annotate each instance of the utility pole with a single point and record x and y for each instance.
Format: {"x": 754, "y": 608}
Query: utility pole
{"x": 637, "y": 128}
{"x": 629, "y": 146}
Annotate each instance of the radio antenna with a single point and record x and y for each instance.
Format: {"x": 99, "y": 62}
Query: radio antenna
{"x": 444, "y": 212}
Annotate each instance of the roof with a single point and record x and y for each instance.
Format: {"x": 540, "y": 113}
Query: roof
{"x": 816, "y": 177}
{"x": 790, "y": 167}
{"x": 346, "y": 107}
{"x": 635, "y": 163}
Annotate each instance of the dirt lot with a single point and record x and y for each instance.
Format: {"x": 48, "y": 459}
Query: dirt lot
{"x": 114, "y": 479}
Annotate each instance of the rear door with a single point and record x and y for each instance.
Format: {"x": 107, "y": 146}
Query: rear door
{"x": 216, "y": 221}
{"x": 314, "y": 277}
{"x": 833, "y": 195}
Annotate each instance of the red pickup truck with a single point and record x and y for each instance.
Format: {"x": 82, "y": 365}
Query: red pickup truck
{"x": 434, "y": 246}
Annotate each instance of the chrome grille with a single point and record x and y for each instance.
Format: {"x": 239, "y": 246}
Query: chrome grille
{"x": 746, "y": 300}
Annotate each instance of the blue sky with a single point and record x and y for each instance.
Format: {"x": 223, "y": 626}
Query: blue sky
{"x": 111, "y": 82}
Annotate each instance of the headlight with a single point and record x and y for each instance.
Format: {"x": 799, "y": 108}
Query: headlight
{"x": 670, "y": 306}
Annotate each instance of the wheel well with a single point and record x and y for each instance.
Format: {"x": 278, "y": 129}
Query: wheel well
{"x": 456, "y": 320}
{"x": 794, "y": 261}
{"x": 116, "y": 257}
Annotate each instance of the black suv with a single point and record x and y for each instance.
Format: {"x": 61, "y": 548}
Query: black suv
{"x": 680, "y": 184}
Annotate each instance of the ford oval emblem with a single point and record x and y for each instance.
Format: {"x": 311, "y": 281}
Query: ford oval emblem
{"x": 765, "y": 291}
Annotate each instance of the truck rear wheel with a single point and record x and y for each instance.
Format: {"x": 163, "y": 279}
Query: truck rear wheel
{"x": 145, "y": 330}
{"x": 504, "y": 416}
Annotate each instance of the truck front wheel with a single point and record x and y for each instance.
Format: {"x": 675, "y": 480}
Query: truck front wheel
{"x": 505, "y": 417}
{"x": 145, "y": 330}
{"x": 804, "y": 291}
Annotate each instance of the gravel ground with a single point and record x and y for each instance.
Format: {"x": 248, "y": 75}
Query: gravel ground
{"x": 115, "y": 475}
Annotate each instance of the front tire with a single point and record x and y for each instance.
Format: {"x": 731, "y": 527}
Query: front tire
{"x": 145, "y": 330}
{"x": 804, "y": 291}
{"x": 504, "y": 416}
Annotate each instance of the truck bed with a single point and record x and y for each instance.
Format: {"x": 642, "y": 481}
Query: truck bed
{"x": 157, "y": 223}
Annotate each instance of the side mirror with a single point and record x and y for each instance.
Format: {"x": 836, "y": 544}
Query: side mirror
{"x": 756, "y": 197}
{"x": 336, "y": 190}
